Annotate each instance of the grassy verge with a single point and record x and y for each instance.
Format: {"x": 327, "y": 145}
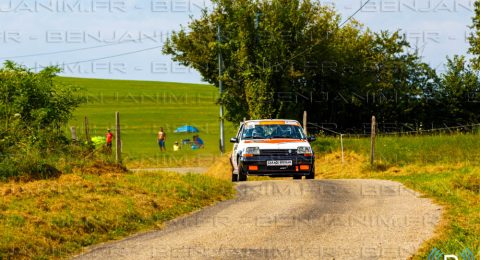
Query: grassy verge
{"x": 221, "y": 169}
{"x": 444, "y": 168}
{"x": 57, "y": 218}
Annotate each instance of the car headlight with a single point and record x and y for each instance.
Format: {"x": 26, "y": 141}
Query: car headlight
{"x": 304, "y": 150}
{"x": 252, "y": 151}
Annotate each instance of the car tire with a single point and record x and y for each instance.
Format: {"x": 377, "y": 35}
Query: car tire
{"x": 234, "y": 177}
{"x": 241, "y": 175}
{"x": 311, "y": 176}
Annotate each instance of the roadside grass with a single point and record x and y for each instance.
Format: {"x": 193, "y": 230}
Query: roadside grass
{"x": 444, "y": 168}
{"x": 221, "y": 169}
{"x": 58, "y": 217}
{"x": 145, "y": 107}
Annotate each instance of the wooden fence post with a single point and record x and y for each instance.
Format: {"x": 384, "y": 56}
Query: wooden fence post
{"x": 87, "y": 130}
{"x": 118, "y": 140}
{"x": 372, "y": 142}
{"x": 73, "y": 130}
{"x": 305, "y": 123}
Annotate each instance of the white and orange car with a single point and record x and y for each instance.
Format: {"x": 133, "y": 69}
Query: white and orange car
{"x": 272, "y": 147}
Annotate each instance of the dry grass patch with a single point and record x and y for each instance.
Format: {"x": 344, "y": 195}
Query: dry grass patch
{"x": 221, "y": 169}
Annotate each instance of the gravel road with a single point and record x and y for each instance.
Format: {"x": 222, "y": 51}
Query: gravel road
{"x": 318, "y": 219}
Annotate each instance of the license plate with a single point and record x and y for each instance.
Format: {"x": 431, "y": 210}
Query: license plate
{"x": 280, "y": 163}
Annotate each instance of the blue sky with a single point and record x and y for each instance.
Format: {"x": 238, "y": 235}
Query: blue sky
{"x": 437, "y": 27}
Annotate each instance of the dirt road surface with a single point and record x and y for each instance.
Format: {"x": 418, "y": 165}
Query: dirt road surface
{"x": 318, "y": 219}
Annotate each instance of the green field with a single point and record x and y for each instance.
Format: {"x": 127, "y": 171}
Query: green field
{"x": 145, "y": 107}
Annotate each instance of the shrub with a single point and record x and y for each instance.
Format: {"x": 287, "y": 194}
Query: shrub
{"x": 34, "y": 110}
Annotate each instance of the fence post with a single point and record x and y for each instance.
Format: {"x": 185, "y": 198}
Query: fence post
{"x": 87, "y": 130}
{"x": 305, "y": 123}
{"x": 372, "y": 141}
{"x": 341, "y": 144}
{"x": 73, "y": 130}
{"x": 118, "y": 140}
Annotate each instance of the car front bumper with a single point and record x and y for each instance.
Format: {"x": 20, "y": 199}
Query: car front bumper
{"x": 298, "y": 162}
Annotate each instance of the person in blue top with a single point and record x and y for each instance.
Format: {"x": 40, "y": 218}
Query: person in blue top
{"x": 198, "y": 142}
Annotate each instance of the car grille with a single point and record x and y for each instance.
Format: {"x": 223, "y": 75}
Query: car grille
{"x": 278, "y": 152}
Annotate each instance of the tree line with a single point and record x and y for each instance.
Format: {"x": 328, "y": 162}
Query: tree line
{"x": 281, "y": 57}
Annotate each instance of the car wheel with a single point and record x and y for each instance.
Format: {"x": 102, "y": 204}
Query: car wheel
{"x": 241, "y": 175}
{"x": 311, "y": 176}
{"x": 234, "y": 177}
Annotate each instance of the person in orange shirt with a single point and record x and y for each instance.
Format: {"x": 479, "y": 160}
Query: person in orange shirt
{"x": 110, "y": 137}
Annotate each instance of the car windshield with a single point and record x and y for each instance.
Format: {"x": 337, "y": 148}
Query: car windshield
{"x": 272, "y": 131}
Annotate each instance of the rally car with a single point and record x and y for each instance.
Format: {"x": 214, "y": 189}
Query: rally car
{"x": 272, "y": 147}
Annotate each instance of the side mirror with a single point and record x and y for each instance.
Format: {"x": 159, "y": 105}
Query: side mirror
{"x": 233, "y": 140}
{"x": 311, "y": 138}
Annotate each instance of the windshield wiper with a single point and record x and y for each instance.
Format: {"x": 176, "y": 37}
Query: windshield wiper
{"x": 281, "y": 136}
{"x": 254, "y": 137}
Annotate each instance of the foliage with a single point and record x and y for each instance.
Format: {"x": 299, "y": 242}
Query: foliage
{"x": 33, "y": 111}
{"x": 459, "y": 97}
{"x": 283, "y": 57}
{"x": 474, "y": 38}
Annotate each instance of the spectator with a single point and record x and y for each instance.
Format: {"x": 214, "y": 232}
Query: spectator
{"x": 110, "y": 137}
{"x": 176, "y": 147}
{"x": 161, "y": 138}
{"x": 198, "y": 142}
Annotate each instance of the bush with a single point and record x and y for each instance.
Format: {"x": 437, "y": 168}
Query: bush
{"x": 7, "y": 170}
{"x": 34, "y": 110}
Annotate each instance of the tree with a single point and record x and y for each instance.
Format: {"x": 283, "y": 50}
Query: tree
{"x": 474, "y": 37}
{"x": 281, "y": 57}
{"x": 263, "y": 48}
{"x": 34, "y": 108}
{"x": 460, "y": 93}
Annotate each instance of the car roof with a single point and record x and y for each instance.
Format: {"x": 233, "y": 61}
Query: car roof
{"x": 273, "y": 121}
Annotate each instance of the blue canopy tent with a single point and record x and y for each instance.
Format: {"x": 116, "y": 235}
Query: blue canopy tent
{"x": 186, "y": 129}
